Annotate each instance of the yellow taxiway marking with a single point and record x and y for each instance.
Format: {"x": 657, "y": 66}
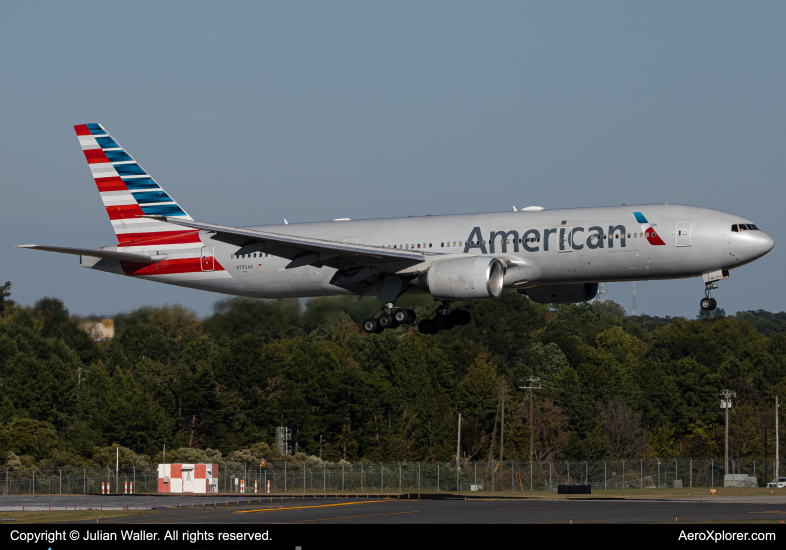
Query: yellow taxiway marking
{"x": 305, "y": 507}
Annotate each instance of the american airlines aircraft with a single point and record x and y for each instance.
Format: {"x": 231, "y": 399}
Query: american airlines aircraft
{"x": 552, "y": 256}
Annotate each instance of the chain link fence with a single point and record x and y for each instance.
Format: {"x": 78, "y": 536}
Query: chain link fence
{"x": 422, "y": 477}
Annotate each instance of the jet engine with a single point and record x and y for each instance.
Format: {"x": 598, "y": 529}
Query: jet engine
{"x": 475, "y": 278}
{"x": 562, "y": 294}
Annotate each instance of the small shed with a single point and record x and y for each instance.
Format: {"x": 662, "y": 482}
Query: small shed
{"x": 188, "y": 478}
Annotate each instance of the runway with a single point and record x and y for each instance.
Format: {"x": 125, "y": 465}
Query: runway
{"x": 445, "y": 510}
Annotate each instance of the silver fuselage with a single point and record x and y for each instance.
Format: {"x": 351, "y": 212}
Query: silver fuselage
{"x": 562, "y": 246}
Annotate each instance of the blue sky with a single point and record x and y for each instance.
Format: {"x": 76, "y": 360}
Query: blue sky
{"x": 249, "y": 112}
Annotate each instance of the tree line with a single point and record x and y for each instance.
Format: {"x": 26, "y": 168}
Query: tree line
{"x": 611, "y": 386}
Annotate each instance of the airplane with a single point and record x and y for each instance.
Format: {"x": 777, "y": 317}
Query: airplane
{"x": 553, "y": 256}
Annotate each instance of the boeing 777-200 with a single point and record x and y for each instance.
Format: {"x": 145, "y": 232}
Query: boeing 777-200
{"x": 552, "y": 256}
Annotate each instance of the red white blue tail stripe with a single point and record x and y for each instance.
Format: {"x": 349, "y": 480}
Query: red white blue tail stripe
{"x": 129, "y": 192}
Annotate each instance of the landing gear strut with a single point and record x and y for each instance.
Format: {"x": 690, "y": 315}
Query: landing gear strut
{"x": 393, "y": 317}
{"x": 708, "y": 303}
{"x": 446, "y": 319}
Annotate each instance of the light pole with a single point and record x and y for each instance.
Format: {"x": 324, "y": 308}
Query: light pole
{"x": 726, "y": 405}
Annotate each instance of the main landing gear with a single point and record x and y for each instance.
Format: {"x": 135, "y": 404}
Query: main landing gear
{"x": 708, "y": 303}
{"x": 446, "y": 319}
{"x": 393, "y": 317}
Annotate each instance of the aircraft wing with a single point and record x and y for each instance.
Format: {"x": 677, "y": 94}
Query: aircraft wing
{"x": 99, "y": 253}
{"x": 301, "y": 250}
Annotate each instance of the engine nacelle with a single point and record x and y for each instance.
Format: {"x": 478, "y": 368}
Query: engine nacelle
{"x": 563, "y": 294}
{"x": 475, "y": 278}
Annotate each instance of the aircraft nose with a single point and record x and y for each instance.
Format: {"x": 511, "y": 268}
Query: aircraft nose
{"x": 765, "y": 243}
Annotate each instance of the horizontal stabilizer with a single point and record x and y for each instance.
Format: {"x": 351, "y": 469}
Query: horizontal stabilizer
{"x": 99, "y": 253}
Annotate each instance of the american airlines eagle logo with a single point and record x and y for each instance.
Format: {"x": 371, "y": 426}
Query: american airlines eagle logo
{"x": 649, "y": 229}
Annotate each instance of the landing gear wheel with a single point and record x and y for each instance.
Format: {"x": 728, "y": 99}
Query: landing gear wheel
{"x": 401, "y": 317}
{"x": 426, "y": 326}
{"x": 370, "y": 326}
{"x": 411, "y": 317}
{"x": 706, "y": 304}
{"x": 386, "y": 321}
{"x": 443, "y": 322}
{"x": 460, "y": 317}
{"x": 714, "y": 303}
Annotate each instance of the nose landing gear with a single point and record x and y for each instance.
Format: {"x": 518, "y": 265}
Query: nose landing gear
{"x": 708, "y": 303}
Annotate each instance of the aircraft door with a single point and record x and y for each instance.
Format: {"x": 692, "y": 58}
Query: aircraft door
{"x": 565, "y": 239}
{"x": 208, "y": 263}
{"x": 683, "y": 233}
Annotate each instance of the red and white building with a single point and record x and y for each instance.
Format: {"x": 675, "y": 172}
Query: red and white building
{"x": 188, "y": 478}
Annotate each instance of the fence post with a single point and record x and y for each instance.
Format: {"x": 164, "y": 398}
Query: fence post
{"x": 476, "y": 474}
{"x": 659, "y": 474}
{"x": 304, "y": 476}
{"x": 586, "y": 473}
{"x": 712, "y": 472}
{"x": 549, "y": 475}
{"x": 641, "y": 475}
{"x": 676, "y": 466}
{"x": 458, "y": 486}
{"x": 530, "y": 476}
{"x": 381, "y": 477}
{"x": 285, "y": 476}
{"x": 605, "y": 485}
{"x": 399, "y": 477}
{"x": 691, "y": 473}
{"x": 419, "y": 476}
{"x": 362, "y": 474}
{"x": 623, "y": 474}
{"x": 754, "y": 470}
{"x": 342, "y": 477}
{"x": 33, "y": 471}
{"x": 324, "y": 477}
{"x": 568, "y": 464}
{"x": 84, "y": 481}
{"x": 60, "y": 473}
{"x": 438, "y": 477}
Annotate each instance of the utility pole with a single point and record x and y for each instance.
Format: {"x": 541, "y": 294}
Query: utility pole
{"x": 531, "y": 387}
{"x": 458, "y": 445}
{"x": 79, "y": 372}
{"x": 502, "y": 431}
{"x": 726, "y": 405}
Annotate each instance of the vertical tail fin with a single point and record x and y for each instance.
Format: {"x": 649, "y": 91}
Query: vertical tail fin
{"x": 129, "y": 192}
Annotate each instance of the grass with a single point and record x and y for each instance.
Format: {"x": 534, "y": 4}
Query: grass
{"x": 62, "y": 515}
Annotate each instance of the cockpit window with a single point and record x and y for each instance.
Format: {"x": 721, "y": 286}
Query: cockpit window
{"x": 734, "y": 228}
{"x": 745, "y": 227}
{"x": 752, "y": 227}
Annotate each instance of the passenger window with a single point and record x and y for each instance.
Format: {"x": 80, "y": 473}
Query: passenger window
{"x": 442, "y": 245}
{"x": 460, "y": 243}
{"x": 429, "y": 245}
